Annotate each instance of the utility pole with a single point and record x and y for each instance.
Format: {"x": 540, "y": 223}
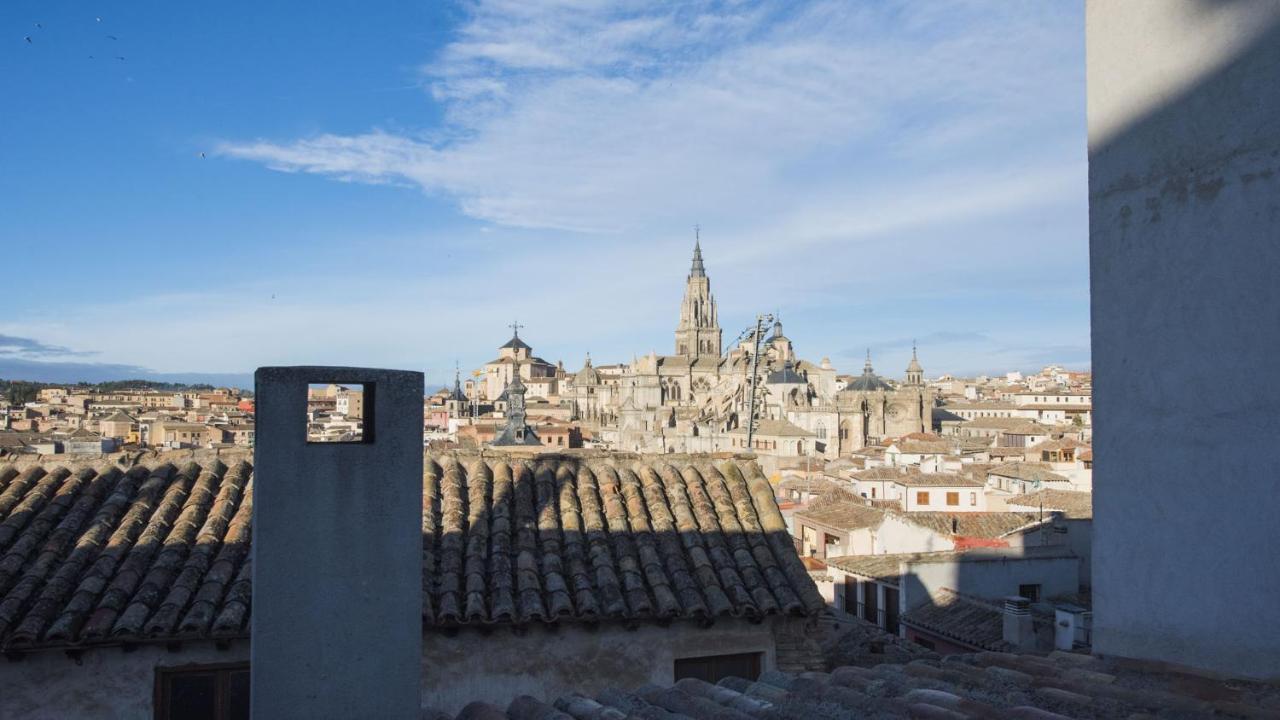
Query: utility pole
{"x": 755, "y": 366}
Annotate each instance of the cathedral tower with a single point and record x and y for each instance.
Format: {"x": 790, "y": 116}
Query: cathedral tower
{"x": 698, "y": 334}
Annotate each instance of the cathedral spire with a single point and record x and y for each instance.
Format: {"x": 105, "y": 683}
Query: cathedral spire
{"x": 698, "y": 270}
{"x": 866, "y": 367}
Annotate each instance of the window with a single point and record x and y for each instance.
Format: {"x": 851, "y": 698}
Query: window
{"x": 953, "y": 499}
{"x": 1030, "y": 592}
{"x": 973, "y": 498}
{"x": 714, "y": 668}
{"x": 922, "y": 498}
{"x": 339, "y": 413}
{"x": 211, "y": 692}
{"x": 873, "y": 493}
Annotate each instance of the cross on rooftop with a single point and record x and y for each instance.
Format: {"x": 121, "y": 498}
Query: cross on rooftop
{"x": 515, "y": 328}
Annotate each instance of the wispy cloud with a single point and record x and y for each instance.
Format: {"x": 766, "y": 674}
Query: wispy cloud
{"x": 601, "y": 117}
{"x": 12, "y": 346}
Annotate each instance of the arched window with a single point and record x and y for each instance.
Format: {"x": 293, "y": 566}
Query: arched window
{"x": 821, "y": 431}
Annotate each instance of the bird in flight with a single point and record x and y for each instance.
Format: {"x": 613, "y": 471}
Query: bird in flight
{"x": 119, "y": 57}
{"x": 201, "y": 156}
{"x": 27, "y": 38}
{"x": 112, "y": 37}
{"x": 98, "y": 19}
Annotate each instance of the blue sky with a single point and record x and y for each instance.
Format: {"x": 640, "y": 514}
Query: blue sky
{"x": 391, "y": 184}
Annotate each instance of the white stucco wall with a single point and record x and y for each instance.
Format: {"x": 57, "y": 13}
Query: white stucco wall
{"x": 938, "y": 498}
{"x": 896, "y": 536}
{"x": 1184, "y": 225}
{"x": 456, "y": 670}
{"x": 992, "y": 579}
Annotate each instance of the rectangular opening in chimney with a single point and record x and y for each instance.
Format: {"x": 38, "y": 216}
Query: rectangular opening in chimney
{"x": 1030, "y": 592}
{"x": 339, "y": 412}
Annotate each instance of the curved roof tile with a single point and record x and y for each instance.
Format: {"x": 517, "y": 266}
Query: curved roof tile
{"x": 163, "y": 552}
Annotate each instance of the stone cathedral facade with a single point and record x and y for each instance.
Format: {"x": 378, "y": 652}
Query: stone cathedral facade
{"x": 696, "y": 400}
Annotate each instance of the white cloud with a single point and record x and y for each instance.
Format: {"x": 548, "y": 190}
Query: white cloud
{"x": 596, "y": 117}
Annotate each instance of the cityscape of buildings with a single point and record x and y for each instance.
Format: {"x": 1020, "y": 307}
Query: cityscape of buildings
{"x": 900, "y": 493}
{"x": 734, "y": 529}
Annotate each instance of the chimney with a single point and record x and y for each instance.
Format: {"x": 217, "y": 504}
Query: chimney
{"x": 1018, "y": 628}
{"x": 337, "y": 551}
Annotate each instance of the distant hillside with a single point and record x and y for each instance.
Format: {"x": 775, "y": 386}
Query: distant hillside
{"x": 18, "y": 392}
{"x": 62, "y": 373}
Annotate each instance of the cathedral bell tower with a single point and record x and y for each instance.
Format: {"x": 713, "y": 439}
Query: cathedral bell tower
{"x": 698, "y": 334}
{"x": 915, "y": 373}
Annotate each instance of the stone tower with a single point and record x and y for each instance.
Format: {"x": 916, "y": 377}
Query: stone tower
{"x": 517, "y": 430}
{"x": 915, "y": 373}
{"x": 698, "y": 334}
{"x": 456, "y": 405}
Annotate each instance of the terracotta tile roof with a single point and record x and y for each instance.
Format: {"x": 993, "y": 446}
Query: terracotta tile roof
{"x": 842, "y": 511}
{"x": 884, "y": 568}
{"x": 817, "y": 484}
{"x": 884, "y": 472}
{"x": 976, "y": 623}
{"x": 988, "y": 525}
{"x": 1059, "y": 444}
{"x": 774, "y": 428}
{"x": 937, "y": 480}
{"x": 107, "y": 555}
{"x": 150, "y": 554}
{"x": 950, "y": 446}
{"x": 661, "y": 537}
{"x": 1072, "y": 504}
{"x": 1031, "y": 472}
{"x": 986, "y": 684}
{"x": 1009, "y": 425}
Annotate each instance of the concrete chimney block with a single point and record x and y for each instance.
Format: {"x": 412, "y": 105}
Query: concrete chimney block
{"x": 1019, "y": 629}
{"x": 337, "y": 552}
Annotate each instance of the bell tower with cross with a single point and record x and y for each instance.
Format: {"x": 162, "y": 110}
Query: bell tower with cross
{"x": 515, "y": 348}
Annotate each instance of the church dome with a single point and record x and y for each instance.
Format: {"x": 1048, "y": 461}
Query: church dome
{"x": 588, "y": 375}
{"x": 515, "y": 343}
{"x": 914, "y": 366}
{"x": 787, "y": 375}
{"x": 868, "y": 381}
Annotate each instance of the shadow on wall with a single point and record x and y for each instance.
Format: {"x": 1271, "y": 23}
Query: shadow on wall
{"x": 1184, "y": 220}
